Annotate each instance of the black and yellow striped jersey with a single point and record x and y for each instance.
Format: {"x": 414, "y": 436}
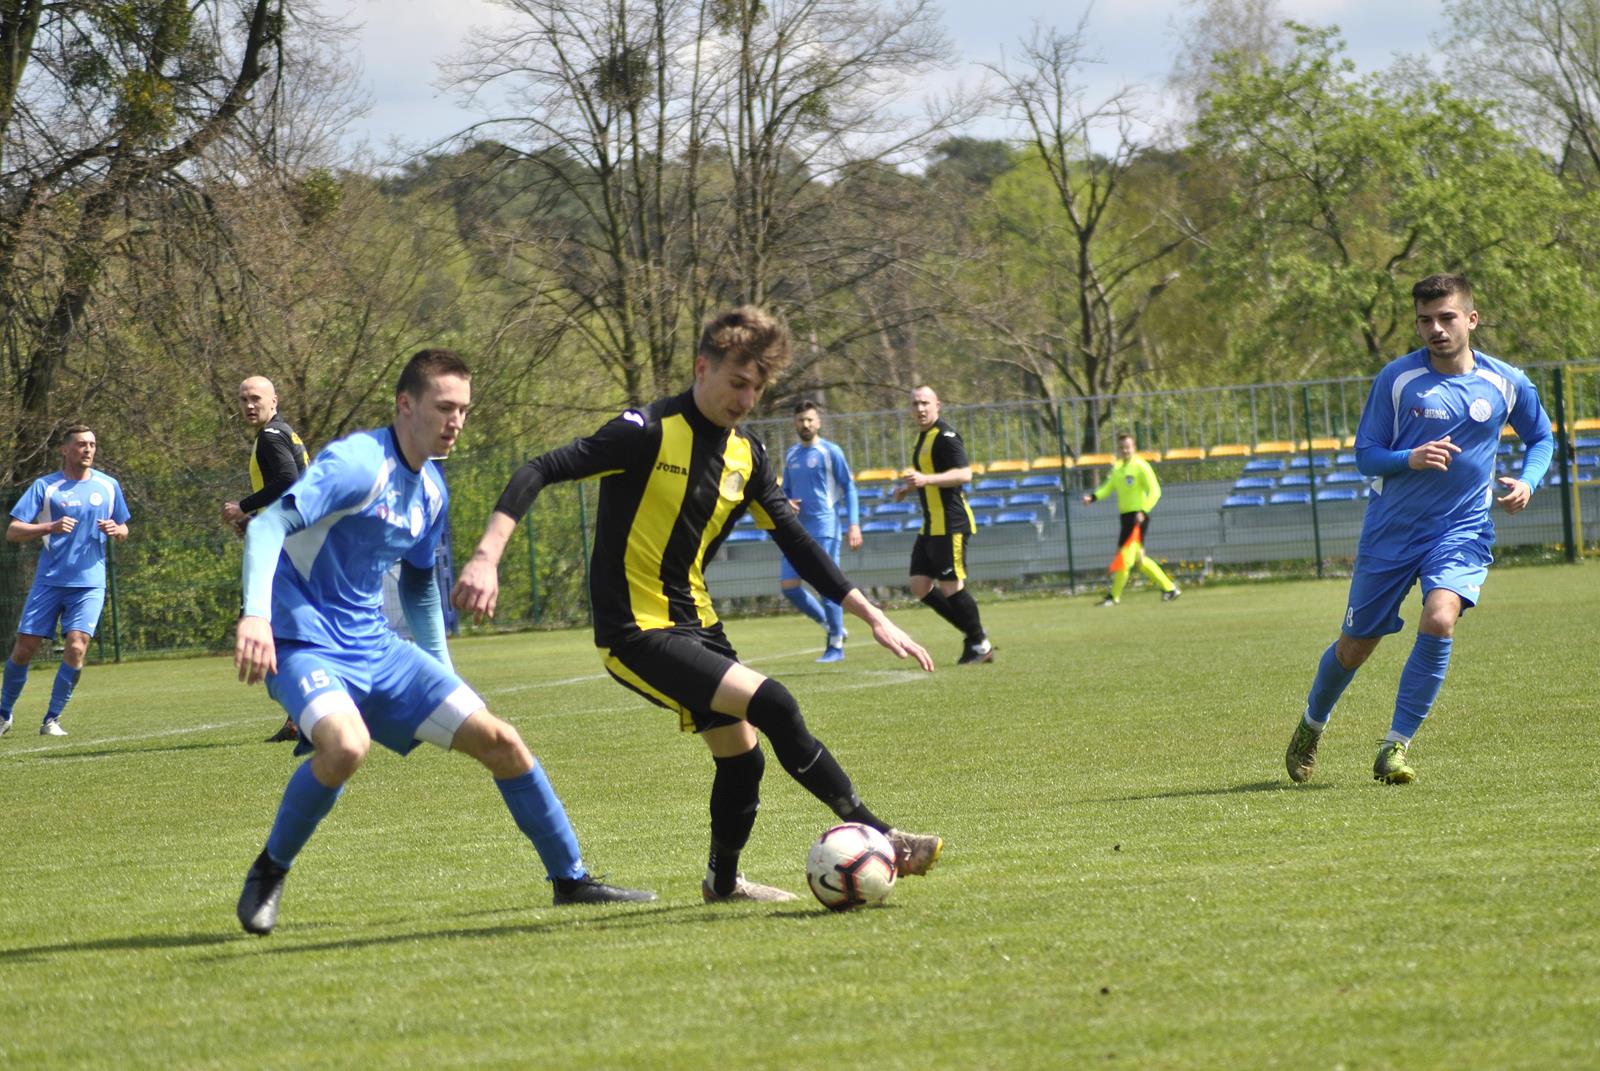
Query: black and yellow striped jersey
{"x": 944, "y": 509}
{"x": 673, "y": 483}
{"x": 276, "y": 461}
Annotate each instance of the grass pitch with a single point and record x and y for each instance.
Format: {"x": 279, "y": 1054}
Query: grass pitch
{"x": 1130, "y": 880}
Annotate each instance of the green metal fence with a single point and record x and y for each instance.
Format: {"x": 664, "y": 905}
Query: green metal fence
{"x": 174, "y": 584}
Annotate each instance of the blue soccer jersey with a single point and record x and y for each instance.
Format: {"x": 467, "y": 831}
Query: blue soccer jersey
{"x": 819, "y": 478}
{"x": 1411, "y": 404}
{"x": 75, "y": 559}
{"x": 364, "y": 509}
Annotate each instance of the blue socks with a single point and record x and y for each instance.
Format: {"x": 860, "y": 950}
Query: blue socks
{"x": 306, "y": 801}
{"x": 542, "y": 819}
{"x": 1419, "y": 685}
{"x": 1326, "y": 688}
{"x": 15, "y": 677}
{"x": 806, "y": 603}
{"x": 835, "y": 622}
{"x": 61, "y": 691}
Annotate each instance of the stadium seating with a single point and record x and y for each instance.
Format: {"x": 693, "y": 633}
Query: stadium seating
{"x": 913, "y": 525}
{"x": 987, "y": 502}
{"x": 879, "y": 526}
{"x": 877, "y": 475}
{"x": 1320, "y": 443}
{"x": 1300, "y": 461}
{"x": 1034, "y": 498}
{"x": 1254, "y": 483}
{"x": 746, "y": 535}
{"x": 1272, "y": 446}
{"x": 893, "y": 509}
{"x": 1040, "y": 480}
{"x": 1343, "y": 477}
{"x": 1229, "y": 450}
{"x": 1184, "y": 453}
{"x": 1295, "y": 479}
{"x": 1236, "y": 501}
{"x": 1086, "y": 460}
{"x": 1017, "y": 517}
{"x": 995, "y": 483}
{"x": 1008, "y": 464}
{"x": 1050, "y": 462}
{"x": 1289, "y": 498}
{"x": 1263, "y": 464}
{"x": 1338, "y": 494}
{"x": 1345, "y": 457}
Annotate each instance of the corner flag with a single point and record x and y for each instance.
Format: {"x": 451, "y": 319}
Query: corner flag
{"x": 1129, "y": 552}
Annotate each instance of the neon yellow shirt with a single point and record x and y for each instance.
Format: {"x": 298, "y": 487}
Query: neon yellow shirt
{"x": 1136, "y": 485}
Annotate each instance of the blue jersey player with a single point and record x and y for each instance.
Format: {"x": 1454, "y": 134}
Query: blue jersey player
{"x": 816, "y": 481}
{"x": 1427, "y": 438}
{"x": 73, "y": 512}
{"x": 313, "y": 627}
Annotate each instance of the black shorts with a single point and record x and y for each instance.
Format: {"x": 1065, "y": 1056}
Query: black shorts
{"x": 1128, "y": 521}
{"x": 941, "y": 557}
{"x": 676, "y": 668}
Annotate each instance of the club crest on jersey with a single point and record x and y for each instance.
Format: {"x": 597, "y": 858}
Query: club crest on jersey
{"x": 95, "y": 499}
{"x": 732, "y": 483}
{"x": 1480, "y": 410}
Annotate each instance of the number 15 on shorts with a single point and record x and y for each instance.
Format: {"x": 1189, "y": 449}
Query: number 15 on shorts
{"x": 315, "y": 681}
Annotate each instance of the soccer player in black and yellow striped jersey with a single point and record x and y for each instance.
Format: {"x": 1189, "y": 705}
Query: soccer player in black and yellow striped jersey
{"x": 675, "y": 476}
{"x": 939, "y": 556}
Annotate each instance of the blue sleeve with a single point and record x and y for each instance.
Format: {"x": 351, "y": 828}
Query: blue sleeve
{"x": 1532, "y": 425}
{"x": 263, "y": 542}
{"x": 119, "y": 506}
{"x": 28, "y": 506}
{"x": 847, "y": 481}
{"x": 1375, "y": 453}
{"x": 341, "y": 477}
{"x": 424, "y": 610}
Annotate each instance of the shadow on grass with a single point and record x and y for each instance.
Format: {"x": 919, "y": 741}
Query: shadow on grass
{"x": 47, "y": 756}
{"x": 1254, "y": 786}
{"x": 138, "y": 943}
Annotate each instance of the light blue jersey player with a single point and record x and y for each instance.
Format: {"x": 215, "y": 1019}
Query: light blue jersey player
{"x": 313, "y": 627}
{"x": 74, "y": 513}
{"x": 1428, "y": 439}
{"x": 817, "y": 481}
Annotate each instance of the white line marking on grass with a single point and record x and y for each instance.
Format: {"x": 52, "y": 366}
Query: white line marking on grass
{"x": 588, "y": 677}
{"x": 4, "y": 751}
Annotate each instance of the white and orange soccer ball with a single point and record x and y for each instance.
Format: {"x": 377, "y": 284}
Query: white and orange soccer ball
{"x": 850, "y": 866}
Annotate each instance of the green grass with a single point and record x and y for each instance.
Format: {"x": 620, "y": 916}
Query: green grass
{"x": 1130, "y": 880}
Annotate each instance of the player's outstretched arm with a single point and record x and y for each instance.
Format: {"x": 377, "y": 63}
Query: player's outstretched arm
{"x": 477, "y": 587}
{"x": 886, "y": 632}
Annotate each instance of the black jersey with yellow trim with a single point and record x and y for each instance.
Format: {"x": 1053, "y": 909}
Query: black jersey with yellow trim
{"x": 276, "y": 461}
{"x": 672, "y": 486}
{"x": 944, "y": 509}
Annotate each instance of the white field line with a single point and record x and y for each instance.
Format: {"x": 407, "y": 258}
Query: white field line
{"x": 186, "y": 730}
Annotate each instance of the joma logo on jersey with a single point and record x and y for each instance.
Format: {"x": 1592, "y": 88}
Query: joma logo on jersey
{"x": 667, "y": 466}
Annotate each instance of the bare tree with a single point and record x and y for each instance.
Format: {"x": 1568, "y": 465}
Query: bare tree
{"x": 1224, "y": 35}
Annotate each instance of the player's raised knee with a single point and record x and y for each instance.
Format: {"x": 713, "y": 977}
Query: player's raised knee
{"x": 495, "y": 743}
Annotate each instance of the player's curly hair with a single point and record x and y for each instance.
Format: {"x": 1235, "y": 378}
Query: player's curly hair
{"x": 748, "y": 335}
{"x": 426, "y": 366}
{"x": 1442, "y": 285}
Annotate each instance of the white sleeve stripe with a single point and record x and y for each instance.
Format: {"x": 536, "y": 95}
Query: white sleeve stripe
{"x": 1507, "y": 389}
{"x": 304, "y": 546}
{"x": 1400, "y": 383}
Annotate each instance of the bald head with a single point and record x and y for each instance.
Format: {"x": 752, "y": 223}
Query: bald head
{"x": 258, "y": 401}
{"x": 925, "y": 404}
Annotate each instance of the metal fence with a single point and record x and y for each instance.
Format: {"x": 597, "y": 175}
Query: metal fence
{"x": 1258, "y": 480}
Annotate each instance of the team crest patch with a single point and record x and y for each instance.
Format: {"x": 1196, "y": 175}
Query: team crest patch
{"x": 1480, "y": 410}
{"x": 95, "y": 499}
{"x": 732, "y": 484}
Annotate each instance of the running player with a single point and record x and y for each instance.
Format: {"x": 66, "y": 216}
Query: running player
{"x": 1137, "y": 491}
{"x": 1428, "y": 435}
{"x": 816, "y": 478}
{"x": 313, "y": 626}
{"x": 676, "y": 475}
{"x": 73, "y": 512}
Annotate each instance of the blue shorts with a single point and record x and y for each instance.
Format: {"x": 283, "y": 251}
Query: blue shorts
{"x": 828, "y": 543}
{"x": 404, "y": 695}
{"x": 78, "y": 609}
{"x": 1379, "y": 587}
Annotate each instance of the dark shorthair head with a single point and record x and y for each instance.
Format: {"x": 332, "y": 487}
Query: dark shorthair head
{"x": 749, "y": 336}
{"x": 426, "y": 366}
{"x": 805, "y": 405}
{"x": 1443, "y": 285}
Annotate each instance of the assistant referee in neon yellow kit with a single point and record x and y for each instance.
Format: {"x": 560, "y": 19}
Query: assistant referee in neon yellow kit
{"x": 1138, "y": 491}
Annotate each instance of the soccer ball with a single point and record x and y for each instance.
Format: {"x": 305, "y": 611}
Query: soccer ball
{"x": 850, "y": 866}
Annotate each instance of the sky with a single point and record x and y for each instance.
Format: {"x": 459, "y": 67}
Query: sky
{"x": 399, "y": 44}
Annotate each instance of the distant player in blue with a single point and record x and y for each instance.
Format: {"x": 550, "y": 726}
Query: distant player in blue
{"x": 816, "y": 479}
{"x": 73, "y": 512}
{"x": 313, "y": 626}
{"x": 1427, "y": 438}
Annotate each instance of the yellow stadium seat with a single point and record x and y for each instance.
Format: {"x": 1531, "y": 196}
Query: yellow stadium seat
{"x": 1230, "y": 450}
{"x": 979, "y": 468}
{"x": 1275, "y": 446}
{"x": 1349, "y": 440}
{"x": 1332, "y": 442}
{"x": 1050, "y": 463}
{"x": 1586, "y": 424}
{"x": 1007, "y": 465}
{"x": 1185, "y": 453}
{"x": 1508, "y": 432}
{"x": 1085, "y": 460}
{"x": 877, "y": 475}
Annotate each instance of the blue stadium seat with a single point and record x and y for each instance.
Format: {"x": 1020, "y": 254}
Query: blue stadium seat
{"x": 983, "y": 520}
{"x": 1586, "y": 442}
{"x": 1300, "y": 461}
{"x": 1338, "y": 494}
{"x": 1348, "y": 457}
{"x": 1297, "y": 479}
{"x": 1264, "y": 464}
{"x": 746, "y": 521}
{"x": 1505, "y": 449}
{"x": 1236, "y": 501}
{"x": 1017, "y": 516}
{"x": 995, "y": 483}
{"x": 879, "y": 526}
{"x": 870, "y": 494}
{"x": 1042, "y": 480}
{"x": 913, "y": 525}
{"x": 1585, "y": 461}
{"x": 1030, "y": 499}
{"x": 746, "y": 535}
{"x": 1253, "y": 483}
{"x": 894, "y": 509}
{"x": 1290, "y": 498}
{"x": 986, "y": 502}
{"x": 1344, "y": 477}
